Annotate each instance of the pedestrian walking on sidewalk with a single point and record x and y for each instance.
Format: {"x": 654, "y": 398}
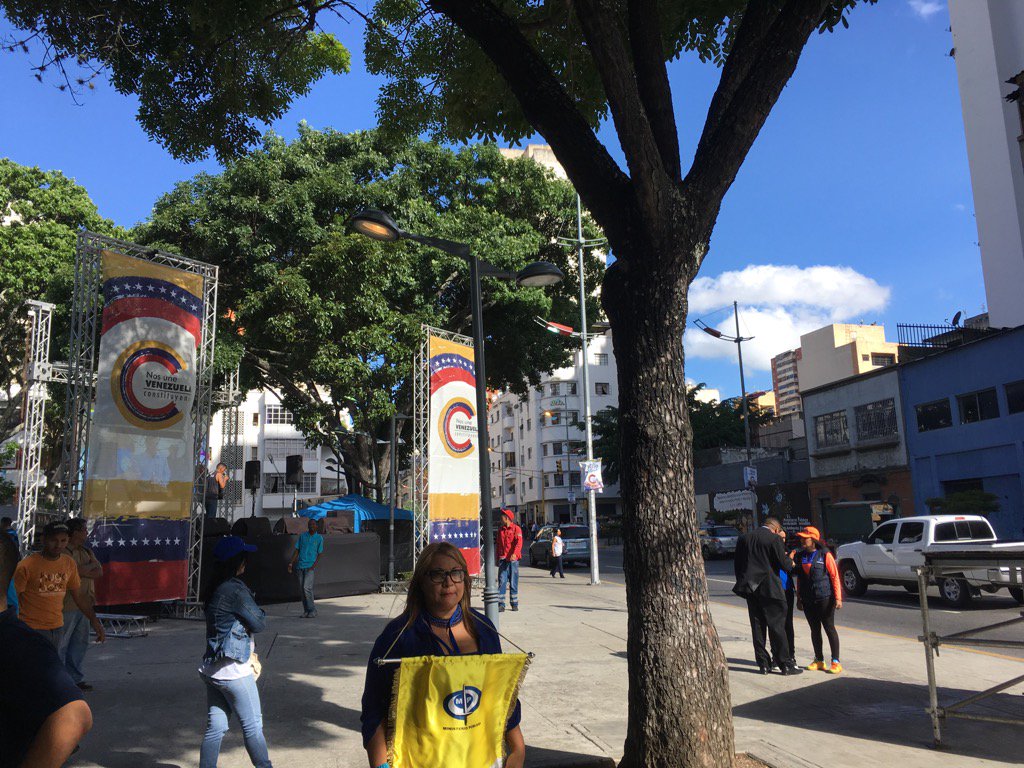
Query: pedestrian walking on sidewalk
{"x": 557, "y": 548}
{"x": 307, "y": 553}
{"x": 75, "y": 641}
{"x": 230, "y": 667}
{"x": 819, "y": 596}
{"x": 510, "y": 552}
{"x": 760, "y": 556}
{"x": 438, "y": 621}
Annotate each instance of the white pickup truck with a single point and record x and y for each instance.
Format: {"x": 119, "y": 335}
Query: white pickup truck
{"x": 888, "y": 556}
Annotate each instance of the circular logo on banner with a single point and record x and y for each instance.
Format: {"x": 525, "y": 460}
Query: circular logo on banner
{"x": 146, "y": 386}
{"x": 462, "y": 703}
{"x": 457, "y": 427}
{"x": 591, "y": 480}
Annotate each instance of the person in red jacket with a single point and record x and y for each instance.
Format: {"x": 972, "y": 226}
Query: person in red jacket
{"x": 819, "y": 596}
{"x": 510, "y": 552}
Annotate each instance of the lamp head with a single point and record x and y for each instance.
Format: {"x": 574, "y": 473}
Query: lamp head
{"x": 539, "y": 274}
{"x": 375, "y": 224}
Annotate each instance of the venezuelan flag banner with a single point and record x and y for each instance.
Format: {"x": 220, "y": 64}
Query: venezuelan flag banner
{"x": 452, "y": 710}
{"x": 141, "y": 465}
{"x": 453, "y": 461}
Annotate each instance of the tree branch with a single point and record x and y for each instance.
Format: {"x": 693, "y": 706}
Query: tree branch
{"x": 652, "y": 80}
{"x": 768, "y": 58}
{"x": 607, "y": 45}
{"x": 547, "y": 107}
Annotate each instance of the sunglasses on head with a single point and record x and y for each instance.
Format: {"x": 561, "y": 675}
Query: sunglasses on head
{"x": 438, "y": 575}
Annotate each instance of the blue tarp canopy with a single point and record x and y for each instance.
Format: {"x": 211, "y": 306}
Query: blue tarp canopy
{"x": 362, "y": 509}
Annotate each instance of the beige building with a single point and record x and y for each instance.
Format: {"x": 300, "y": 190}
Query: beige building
{"x": 840, "y": 351}
{"x": 785, "y": 383}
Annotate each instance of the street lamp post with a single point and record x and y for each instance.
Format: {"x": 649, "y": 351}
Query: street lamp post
{"x": 738, "y": 341}
{"x": 393, "y": 482}
{"x": 380, "y": 226}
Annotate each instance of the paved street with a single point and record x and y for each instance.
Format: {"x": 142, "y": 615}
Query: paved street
{"x": 889, "y": 610}
{"x": 149, "y": 702}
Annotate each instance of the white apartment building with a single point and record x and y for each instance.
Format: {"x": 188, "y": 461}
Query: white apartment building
{"x": 786, "y": 382}
{"x": 536, "y": 446}
{"x": 265, "y": 432}
{"x": 988, "y": 40}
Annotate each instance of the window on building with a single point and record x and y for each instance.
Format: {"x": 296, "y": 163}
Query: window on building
{"x": 520, "y": 431}
{"x": 530, "y": 481}
{"x": 882, "y": 360}
{"x": 544, "y": 449}
{"x": 1015, "y": 397}
{"x": 256, "y": 419}
{"x": 254, "y": 453}
{"x": 876, "y": 419}
{"x": 529, "y": 423}
{"x": 278, "y": 414}
{"x": 522, "y": 487}
{"x": 574, "y": 479}
{"x": 508, "y": 410}
{"x": 865, "y": 358}
{"x": 554, "y": 388}
{"x": 547, "y": 481}
{"x": 557, "y": 479}
{"x": 978, "y": 406}
{"x": 570, "y": 388}
{"x": 602, "y": 388}
{"x": 529, "y": 453}
{"x": 281, "y": 448}
{"x": 936, "y": 415}
{"x": 830, "y": 429}
{"x": 274, "y": 482}
{"x": 601, "y": 358}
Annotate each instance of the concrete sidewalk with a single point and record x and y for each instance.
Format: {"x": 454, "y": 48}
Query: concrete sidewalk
{"x": 149, "y": 704}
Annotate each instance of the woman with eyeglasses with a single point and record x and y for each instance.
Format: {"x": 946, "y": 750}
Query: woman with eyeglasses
{"x": 437, "y": 621}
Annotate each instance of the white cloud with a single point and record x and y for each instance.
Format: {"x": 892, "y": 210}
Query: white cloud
{"x": 777, "y": 305}
{"x": 925, "y": 8}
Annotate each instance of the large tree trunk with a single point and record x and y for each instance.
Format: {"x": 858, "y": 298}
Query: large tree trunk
{"x": 679, "y": 704}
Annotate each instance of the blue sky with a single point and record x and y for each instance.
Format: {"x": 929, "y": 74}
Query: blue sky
{"x": 854, "y": 204}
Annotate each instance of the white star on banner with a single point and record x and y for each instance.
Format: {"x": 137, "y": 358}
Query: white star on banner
{"x": 177, "y": 541}
{"x": 138, "y": 286}
{"x": 145, "y": 542}
{"x": 134, "y": 542}
{"x": 163, "y": 289}
{"x": 120, "y": 543}
{"x": 110, "y": 542}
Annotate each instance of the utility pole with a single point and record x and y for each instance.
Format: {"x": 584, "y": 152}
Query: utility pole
{"x": 743, "y": 385}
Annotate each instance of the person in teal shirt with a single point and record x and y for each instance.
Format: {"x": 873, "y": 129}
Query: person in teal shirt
{"x": 307, "y": 553}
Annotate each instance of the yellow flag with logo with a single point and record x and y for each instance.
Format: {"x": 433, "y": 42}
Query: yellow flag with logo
{"x": 452, "y": 710}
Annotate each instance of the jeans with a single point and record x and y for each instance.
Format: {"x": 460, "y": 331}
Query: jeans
{"x": 74, "y": 644}
{"x": 242, "y": 698}
{"x": 306, "y": 576}
{"x": 556, "y": 565}
{"x": 55, "y": 636}
{"x": 211, "y": 507}
{"x": 508, "y": 576}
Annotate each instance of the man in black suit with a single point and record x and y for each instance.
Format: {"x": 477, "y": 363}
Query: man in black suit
{"x": 760, "y": 555}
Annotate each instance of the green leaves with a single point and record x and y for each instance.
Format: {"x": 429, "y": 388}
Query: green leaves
{"x": 324, "y": 315}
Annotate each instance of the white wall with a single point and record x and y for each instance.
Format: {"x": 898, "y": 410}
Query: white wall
{"x": 988, "y": 36}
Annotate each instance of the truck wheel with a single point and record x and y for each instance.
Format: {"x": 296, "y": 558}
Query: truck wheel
{"x": 1017, "y": 593}
{"x": 912, "y": 588}
{"x": 954, "y": 592}
{"x": 705, "y": 552}
{"x": 853, "y": 582}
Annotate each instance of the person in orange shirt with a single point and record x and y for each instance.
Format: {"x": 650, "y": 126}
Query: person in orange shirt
{"x": 43, "y": 579}
{"x": 819, "y": 596}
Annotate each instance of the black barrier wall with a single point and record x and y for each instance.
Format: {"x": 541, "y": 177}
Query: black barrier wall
{"x": 349, "y": 565}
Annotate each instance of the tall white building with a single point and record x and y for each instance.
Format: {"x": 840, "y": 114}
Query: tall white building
{"x": 265, "y": 432}
{"x": 988, "y": 40}
{"x": 536, "y": 446}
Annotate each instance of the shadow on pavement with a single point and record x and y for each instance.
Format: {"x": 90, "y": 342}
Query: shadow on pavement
{"x": 888, "y": 712}
{"x": 551, "y": 758}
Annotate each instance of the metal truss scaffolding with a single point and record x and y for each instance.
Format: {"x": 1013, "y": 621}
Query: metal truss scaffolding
{"x": 37, "y": 373}
{"x": 85, "y": 315}
{"x": 421, "y": 434}
{"x": 231, "y": 448}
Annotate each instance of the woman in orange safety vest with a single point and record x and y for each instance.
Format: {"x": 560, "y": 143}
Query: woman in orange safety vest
{"x": 819, "y": 594}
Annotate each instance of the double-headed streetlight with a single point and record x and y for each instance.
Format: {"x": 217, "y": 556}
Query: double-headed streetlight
{"x": 738, "y": 341}
{"x": 380, "y": 226}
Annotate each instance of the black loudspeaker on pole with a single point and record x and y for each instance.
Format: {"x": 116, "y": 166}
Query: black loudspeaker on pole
{"x": 252, "y": 475}
{"x": 293, "y": 470}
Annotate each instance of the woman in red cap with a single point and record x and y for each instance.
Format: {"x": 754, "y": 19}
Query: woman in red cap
{"x": 819, "y": 595}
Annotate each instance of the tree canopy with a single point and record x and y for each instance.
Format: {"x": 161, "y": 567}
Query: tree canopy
{"x": 331, "y": 320}
{"x": 41, "y": 213}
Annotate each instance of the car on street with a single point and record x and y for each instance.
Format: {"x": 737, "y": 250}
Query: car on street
{"x": 575, "y": 537}
{"x": 717, "y": 540}
{"x": 889, "y": 554}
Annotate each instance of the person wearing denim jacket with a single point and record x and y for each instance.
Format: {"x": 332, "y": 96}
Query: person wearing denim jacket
{"x": 232, "y": 618}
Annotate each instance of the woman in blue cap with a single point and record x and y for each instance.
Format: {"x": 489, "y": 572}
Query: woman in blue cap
{"x": 229, "y": 667}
